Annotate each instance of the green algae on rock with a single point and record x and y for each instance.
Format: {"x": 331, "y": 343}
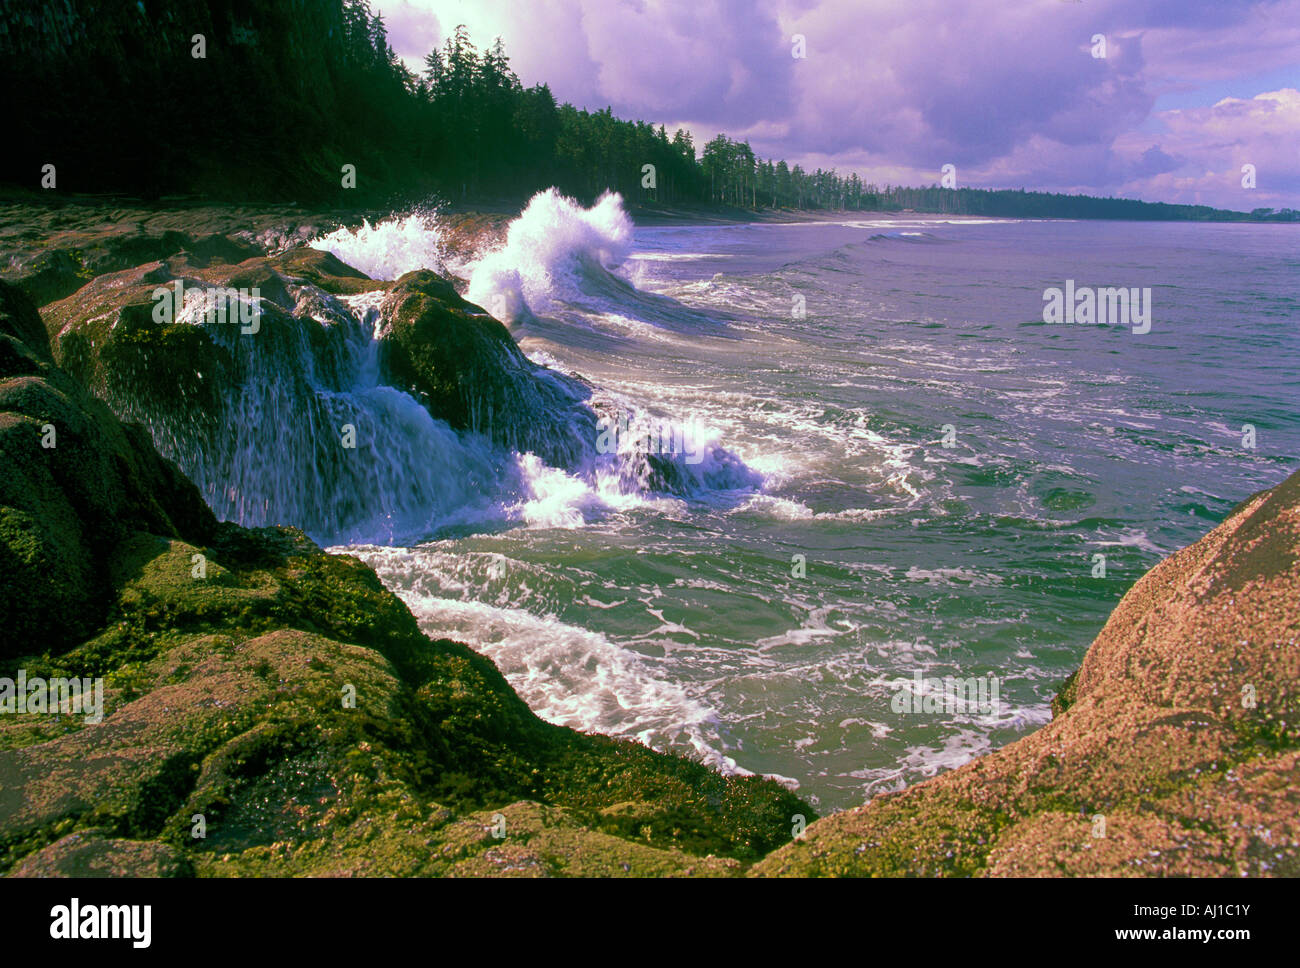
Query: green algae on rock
{"x": 279, "y": 700}
{"x": 75, "y": 482}
{"x": 466, "y": 366}
{"x": 199, "y": 385}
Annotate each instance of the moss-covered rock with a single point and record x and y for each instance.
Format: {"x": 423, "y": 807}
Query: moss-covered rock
{"x": 72, "y": 258}
{"x": 109, "y": 336}
{"x": 467, "y": 367}
{"x": 291, "y": 702}
{"x": 73, "y": 483}
{"x": 164, "y": 345}
{"x": 91, "y": 854}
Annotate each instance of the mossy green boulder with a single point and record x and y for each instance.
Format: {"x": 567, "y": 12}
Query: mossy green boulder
{"x": 466, "y": 366}
{"x": 74, "y": 482}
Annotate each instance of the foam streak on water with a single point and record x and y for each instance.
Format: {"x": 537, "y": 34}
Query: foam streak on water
{"x": 567, "y": 674}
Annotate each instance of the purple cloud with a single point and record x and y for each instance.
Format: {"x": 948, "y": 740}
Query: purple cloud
{"x": 1012, "y": 94}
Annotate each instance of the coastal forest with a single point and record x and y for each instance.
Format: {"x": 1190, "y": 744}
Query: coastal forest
{"x": 269, "y": 100}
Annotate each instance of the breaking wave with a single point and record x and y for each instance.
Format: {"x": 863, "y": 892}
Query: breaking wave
{"x": 390, "y": 248}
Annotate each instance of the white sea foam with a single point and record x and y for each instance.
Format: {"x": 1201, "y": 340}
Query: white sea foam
{"x": 552, "y": 243}
{"x": 678, "y": 256}
{"x": 567, "y": 675}
{"x": 389, "y": 248}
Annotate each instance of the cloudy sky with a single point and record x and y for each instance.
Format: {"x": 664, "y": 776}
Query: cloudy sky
{"x": 1011, "y": 92}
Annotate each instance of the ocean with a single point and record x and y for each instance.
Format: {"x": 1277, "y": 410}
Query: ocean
{"x": 894, "y": 470}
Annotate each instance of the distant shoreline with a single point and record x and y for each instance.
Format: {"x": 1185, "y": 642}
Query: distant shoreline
{"x": 497, "y": 210}
{"x": 38, "y": 226}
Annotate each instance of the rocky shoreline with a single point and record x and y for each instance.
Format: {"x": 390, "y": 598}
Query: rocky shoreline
{"x": 1174, "y": 749}
{"x": 231, "y": 655}
{"x": 280, "y": 695}
{"x": 52, "y": 247}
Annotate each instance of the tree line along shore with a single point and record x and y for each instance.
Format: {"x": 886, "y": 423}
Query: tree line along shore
{"x": 307, "y": 102}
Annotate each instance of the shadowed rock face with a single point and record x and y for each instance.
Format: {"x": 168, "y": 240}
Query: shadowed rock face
{"x": 283, "y": 695}
{"x": 1181, "y": 729}
{"x": 73, "y": 483}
